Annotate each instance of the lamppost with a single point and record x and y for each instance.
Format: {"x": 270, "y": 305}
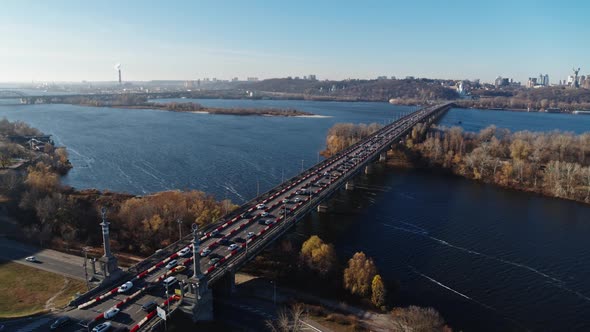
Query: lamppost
{"x": 85, "y": 249}
{"x": 179, "y": 221}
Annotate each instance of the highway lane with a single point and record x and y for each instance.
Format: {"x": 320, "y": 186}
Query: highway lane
{"x": 48, "y": 260}
{"x": 237, "y": 229}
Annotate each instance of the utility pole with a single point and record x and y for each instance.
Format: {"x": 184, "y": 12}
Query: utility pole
{"x": 179, "y": 221}
{"x": 85, "y": 249}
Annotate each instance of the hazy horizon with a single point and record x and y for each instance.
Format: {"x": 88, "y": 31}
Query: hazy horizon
{"x": 67, "y": 41}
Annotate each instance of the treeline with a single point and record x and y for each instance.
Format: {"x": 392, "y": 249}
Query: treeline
{"x": 11, "y": 152}
{"x": 566, "y": 99}
{"x": 555, "y": 164}
{"x": 366, "y": 90}
{"x": 51, "y": 214}
{"x": 343, "y": 135}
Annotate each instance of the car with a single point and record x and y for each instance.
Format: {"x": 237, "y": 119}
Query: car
{"x": 214, "y": 232}
{"x": 61, "y": 321}
{"x": 149, "y": 306}
{"x": 264, "y": 214}
{"x": 250, "y": 235}
{"x": 125, "y": 287}
{"x": 214, "y": 261}
{"x": 224, "y": 242}
{"x": 31, "y": 259}
{"x": 205, "y": 252}
{"x": 260, "y": 206}
{"x": 169, "y": 282}
{"x": 171, "y": 264}
{"x": 102, "y": 327}
{"x": 112, "y": 312}
{"x": 285, "y": 201}
{"x": 178, "y": 269}
{"x": 233, "y": 246}
{"x": 296, "y": 200}
{"x": 184, "y": 251}
{"x": 326, "y": 173}
{"x": 268, "y": 222}
{"x": 298, "y": 192}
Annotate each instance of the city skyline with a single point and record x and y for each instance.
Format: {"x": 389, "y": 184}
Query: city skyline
{"x": 69, "y": 41}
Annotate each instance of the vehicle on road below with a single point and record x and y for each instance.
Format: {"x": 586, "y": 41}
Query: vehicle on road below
{"x": 214, "y": 232}
{"x": 296, "y": 200}
{"x": 184, "y": 251}
{"x": 171, "y": 264}
{"x": 178, "y": 269}
{"x": 260, "y": 206}
{"x": 214, "y": 261}
{"x": 61, "y": 321}
{"x": 169, "y": 281}
{"x": 233, "y": 246}
{"x": 125, "y": 287}
{"x": 264, "y": 214}
{"x": 285, "y": 201}
{"x": 112, "y": 312}
{"x": 102, "y": 327}
{"x": 31, "y": 259}
{"x": 250, "y": 235}
{"x": 205, "y": 252}
{"x": 149, "y": 306}
{"x": 268, "y": 222}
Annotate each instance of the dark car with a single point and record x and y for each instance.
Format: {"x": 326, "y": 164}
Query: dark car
{"x": 61, "y": 321}
{"x": 149, "y": 306}
{"x": 224, "y": 242}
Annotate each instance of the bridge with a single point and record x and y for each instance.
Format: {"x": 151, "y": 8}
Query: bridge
{"x": 211, "y": 258}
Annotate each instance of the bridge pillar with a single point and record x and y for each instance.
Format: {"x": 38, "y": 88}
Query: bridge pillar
{"x": 322, "y": 208}
{"x": 349, "y": 185}
{"x": 369, "y": 169}
{"x": 383, "y": 156}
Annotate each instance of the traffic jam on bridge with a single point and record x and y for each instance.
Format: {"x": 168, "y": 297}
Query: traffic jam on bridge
{"x": 133, "y": 303}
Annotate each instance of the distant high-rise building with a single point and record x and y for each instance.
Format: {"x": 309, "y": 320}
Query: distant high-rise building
{"x": 252, "y": 79}
{"x": 381, "y": 77}
{"x": 312, "y": 78}
{"x": 235, "y": 79}
{"x": 498, "y": 81}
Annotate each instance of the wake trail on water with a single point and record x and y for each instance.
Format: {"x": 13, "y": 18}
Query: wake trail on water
{"x": 228, "y": 186}
{"x": 414, "y": 229}
{"x": 462, "y": 295}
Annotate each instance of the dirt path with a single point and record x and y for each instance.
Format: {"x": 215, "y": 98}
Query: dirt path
{"x": 49, "y": 305}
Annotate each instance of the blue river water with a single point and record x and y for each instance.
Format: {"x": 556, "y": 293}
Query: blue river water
{"x": 488, "y": 259}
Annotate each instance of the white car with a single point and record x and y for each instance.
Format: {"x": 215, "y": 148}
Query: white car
{"x": 102, "y": 327}
{"x": 125, "y": 287}
{"x": 185, "y": 251}
{"x": 233, "y": 247}
{"x": 205, "y": 252}
{"x": 264, "y": 214}
{"x": 260, "y": 206}
{"x": 250, "y": 235}
{"x": 285, "y": 201}
{"x": 32, "y": 259}
{"x": 112, "y": 312}
{"x": 171, "y": 264}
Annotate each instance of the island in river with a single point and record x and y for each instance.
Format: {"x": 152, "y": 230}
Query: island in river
{"x": 141, "y": 102}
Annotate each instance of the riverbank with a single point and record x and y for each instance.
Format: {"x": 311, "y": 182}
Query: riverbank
{"x": 198, "y": 109}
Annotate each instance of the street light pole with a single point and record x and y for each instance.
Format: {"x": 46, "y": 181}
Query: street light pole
{"x": 85, "y": 249}
{"x": 179, "y": 221}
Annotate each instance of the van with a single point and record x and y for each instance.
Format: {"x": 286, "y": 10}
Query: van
{"x": 169, "y": 281}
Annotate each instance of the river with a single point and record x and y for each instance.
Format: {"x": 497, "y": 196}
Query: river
{"x": 488, "y": 259}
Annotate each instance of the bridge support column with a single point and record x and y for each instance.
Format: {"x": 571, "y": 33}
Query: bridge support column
{"x": 197, "y": 301}
{"x": 383, "y": 156}
{"x": 349, "y": 185}
{"x": 369, "y": 169}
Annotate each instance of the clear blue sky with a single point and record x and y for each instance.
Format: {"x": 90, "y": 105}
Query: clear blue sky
{"x": 82, "y": 40}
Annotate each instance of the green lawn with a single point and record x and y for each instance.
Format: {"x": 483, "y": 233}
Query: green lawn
{"x": 25, "y": 290}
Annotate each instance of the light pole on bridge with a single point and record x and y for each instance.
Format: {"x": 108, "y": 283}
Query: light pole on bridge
{"x": 179, "y": 221}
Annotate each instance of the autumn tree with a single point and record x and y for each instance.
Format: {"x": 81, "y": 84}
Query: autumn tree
{"x": 317, "y": 255}
{"x": 378, "y": 291}
{"x": 417, "y": 319}
{"x": 359, "y": 274}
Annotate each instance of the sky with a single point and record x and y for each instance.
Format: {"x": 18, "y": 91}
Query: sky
{"x": 181, "y": 40}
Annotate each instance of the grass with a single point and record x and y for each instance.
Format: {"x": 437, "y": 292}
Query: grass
{"x": 26, "y": 290}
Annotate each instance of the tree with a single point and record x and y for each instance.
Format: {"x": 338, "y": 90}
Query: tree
{"x": 417, "y": 319}
{"x": 378, "y": 291}
{"x": 359, "y": 274}
{"x": 288, "y": 320}
{"x": 318, "y": 255}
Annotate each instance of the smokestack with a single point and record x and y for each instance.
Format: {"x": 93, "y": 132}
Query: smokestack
{"x": 118, "y": 69}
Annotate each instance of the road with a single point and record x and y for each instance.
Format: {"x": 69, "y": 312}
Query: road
{"x": 48, "y": 260}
